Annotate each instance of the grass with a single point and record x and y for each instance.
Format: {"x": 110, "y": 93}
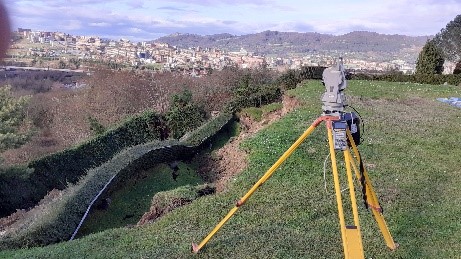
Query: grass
{"x": 411, "y": 144}
{"x": 131, "y": 199}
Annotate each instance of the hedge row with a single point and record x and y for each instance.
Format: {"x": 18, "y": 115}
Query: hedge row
{"x": 202, "y": 135}
{"x": 21, "y": 191}
{"x": 433, "y": 79}
{"x": 57, "y": 220}
{"x": 55, "y": 171}
{"x": 266, "y": 94}
{"x": 293, "y": 77}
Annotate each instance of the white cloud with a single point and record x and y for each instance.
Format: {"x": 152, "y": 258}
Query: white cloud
{"x": 135, "y": 30}
{"x": 72, "y": 25}
{"x": 99, "y": 24}
{"x": 153, "y": 18}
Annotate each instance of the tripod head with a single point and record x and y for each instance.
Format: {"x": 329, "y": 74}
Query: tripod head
{"x": 334, "y": 104}
{"x": 334, "y": 80}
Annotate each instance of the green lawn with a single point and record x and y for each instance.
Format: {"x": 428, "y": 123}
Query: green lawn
{"x": 411, "y": 142}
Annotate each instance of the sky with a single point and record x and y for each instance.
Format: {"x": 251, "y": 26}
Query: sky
{"x": 149, "y": 20}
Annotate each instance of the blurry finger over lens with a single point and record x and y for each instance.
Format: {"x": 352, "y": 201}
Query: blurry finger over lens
{"x": 4, "y": 30}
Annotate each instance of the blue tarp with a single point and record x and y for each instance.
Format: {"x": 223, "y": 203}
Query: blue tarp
{"x": 455, "y": 101}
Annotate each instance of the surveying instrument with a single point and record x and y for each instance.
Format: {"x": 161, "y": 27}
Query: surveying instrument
{"x": 343, "y": 131}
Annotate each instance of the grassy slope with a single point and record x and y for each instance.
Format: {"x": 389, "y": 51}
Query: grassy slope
{"x": 412, "y": 143}
{"x": 131, "y": 201}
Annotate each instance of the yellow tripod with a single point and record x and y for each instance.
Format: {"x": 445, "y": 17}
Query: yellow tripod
{"x": 351, "y": 237}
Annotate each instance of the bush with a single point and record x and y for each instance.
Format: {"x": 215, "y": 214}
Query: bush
{"x": 56, "y": 170}
{"x": 202, "y": 135}
{"x": 56, "y": 221}
{"x": 255, "y": 96}
{"x": 292, "y": 77}
{"x": 184, "y": 114}
{"x": 16, "y": 189}
{"x": 433, "y": 79}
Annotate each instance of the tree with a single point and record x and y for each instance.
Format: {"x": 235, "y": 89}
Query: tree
{"x": 184, "y": 114}
{"x": 12, "y": 115}
{"x": 449, "y": 40}
{"x": 430, "y": 60}
{"x": 457, "y": 69}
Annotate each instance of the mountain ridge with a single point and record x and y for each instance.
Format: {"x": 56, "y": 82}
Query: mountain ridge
{"x": 385, "y": 46}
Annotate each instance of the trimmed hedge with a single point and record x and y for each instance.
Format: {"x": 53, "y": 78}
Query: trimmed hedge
{"x": 57, "y": 220}
{"x": 293, "y": 77}
{"x": 433, "y": 79}
{"x": 203, "y": 134}
{"x": 55, "y": 171}
{"x": 264, "y": 95}
{"x": 16, "y": 189}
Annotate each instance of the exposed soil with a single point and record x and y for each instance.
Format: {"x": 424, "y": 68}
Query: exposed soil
{"x": 225, "y": 163}
{"x": 230, "y": 160}
{"x": 156, "y": 211}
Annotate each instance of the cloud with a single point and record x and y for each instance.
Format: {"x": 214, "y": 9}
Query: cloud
{"x": 412, "y": 17}
{"x": 135, "y": 30}
{"x": 146, "y": 20}
{"x": 172, "y": 8}
{"x": 136, "y": 4}
{"x": 72, "y": 25}
{"x": 224, "y": 2}
{"x": 99, "y": 24}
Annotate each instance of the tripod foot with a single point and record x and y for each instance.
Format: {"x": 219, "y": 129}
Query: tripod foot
{"x": 195, "y": 248}
{"x": 396, "y": 245}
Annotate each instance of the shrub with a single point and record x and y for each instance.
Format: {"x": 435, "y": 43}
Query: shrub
{"x": 255, "y": 96}
{"x": 56, "y": 221}
{"x": 202, "y": 135}
{"x": 434, "y": 79}
{"x": 184, "y": 114}
{"x": 56, "y": 170}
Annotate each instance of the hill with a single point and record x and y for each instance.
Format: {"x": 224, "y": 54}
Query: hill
{"x": 379, "y": 46}
{"x": 407, "y": 135}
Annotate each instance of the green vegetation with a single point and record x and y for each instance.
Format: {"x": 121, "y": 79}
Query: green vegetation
{"x": 433, "y": 79}
{"x": 59, "y": 169}
{"x": 184, "y": 114}
{"x": 257, "y": 113}
{"x": 253, "y": 112}
{"x": 132, "y": 198}
{"x": 12, "y": 114}
{"x": 54, "y": 221}
{"x": 95, "y": 126}
{"x": 411, "y": 149}
{"x": 251, "y": 94}
{"x": 449, "y": 40}
{"x": 430, "y": 60}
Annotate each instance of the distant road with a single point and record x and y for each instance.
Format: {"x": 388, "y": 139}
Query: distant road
{"x": 13, "y": 68}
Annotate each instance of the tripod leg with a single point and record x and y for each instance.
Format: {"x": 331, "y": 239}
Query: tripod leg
{"x": 347, "y": 159}
{"x": 267, "y": 175}
{"x": 350, "y": 235}
{"x": 371, "y": 197}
